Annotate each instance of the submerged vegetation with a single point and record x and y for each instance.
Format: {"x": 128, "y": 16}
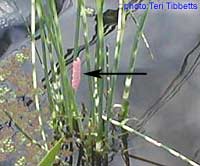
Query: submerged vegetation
{"x": 61, "y": 131}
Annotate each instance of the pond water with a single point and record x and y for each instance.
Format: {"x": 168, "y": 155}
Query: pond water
{"x": 171, "y": 35}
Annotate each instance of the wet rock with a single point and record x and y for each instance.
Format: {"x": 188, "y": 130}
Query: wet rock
{"x": 14, "y": 21}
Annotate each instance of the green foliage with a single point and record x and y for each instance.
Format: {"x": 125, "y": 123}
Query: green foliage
{"x": 87, "y": 127}
{"x": 51, "y": 154}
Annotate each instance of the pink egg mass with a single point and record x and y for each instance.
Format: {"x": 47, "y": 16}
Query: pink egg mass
{"x": 76, "y": 73}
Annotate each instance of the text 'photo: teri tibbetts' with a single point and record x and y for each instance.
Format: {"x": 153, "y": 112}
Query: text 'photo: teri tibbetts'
{"x": 157, "y": 5}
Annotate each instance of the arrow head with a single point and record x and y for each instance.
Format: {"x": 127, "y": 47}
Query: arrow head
{"x": 95, "y": 73}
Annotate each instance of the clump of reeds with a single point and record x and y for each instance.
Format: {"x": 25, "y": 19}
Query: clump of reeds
{"x": 92, "y": 131}
{"x": 89, "y": 134}
{"x": 84, "y": 135}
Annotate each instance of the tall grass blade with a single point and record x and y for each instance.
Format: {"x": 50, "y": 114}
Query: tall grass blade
{"x": 34, "y": 75}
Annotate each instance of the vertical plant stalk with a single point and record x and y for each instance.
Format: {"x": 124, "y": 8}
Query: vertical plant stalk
{"x": 144, "y": 38}
{"x": 117, "y": 54}
{"x": 134, "y": 53}
{"x": 100, "y": 61}
{"x": 119, "y": 41}
{"x": 47, "y": 54}
{"x": 70, "y": 105}
{"x": 108, "y": 89}
{"x": 65, "y": 111}
{"x": 128, "y": 82}
{"x": 98, "y": 95}
{"x": 87, "y": 53}
{"x": 34, "y": 75}
{"x": 28, "y": 27}
{"x": 106, "y": 124}
{"x": 68, "y": 96}
{"x": 76, "y": 40}
{"x": 87, "y": 151}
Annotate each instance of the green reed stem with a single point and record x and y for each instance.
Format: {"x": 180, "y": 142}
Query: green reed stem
{"x": 44, "y": 57}
{"x": 34, "y": 75}
{"x": 132, "y": 61}
{"x": 62, "y": 102}
{"x": 117, "y": 54}
{"x": 100, "y": 61}
{"x": 144, "y": 38}
{"x": 78, "y": 17}
{"x": 87, "y": 53}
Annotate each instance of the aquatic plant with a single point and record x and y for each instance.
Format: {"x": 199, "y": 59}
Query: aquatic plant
{"x": 82, "y": 134}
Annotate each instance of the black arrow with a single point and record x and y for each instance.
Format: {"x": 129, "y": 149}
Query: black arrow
{"x": 98, "y": 73}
